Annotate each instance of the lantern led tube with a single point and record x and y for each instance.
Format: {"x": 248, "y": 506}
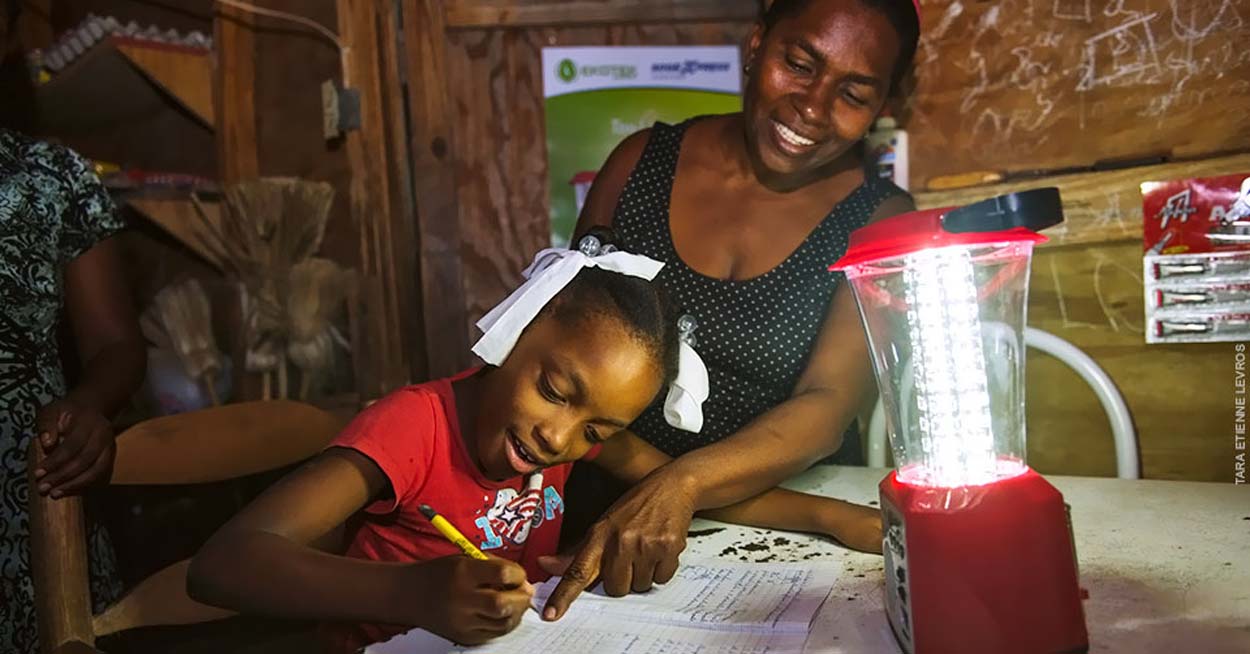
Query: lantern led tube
{"x": 951, "y": 392}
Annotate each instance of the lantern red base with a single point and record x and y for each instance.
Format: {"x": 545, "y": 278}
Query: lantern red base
{"x": 982, "y": 569}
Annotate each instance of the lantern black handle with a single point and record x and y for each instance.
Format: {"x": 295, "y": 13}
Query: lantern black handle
{"x": 1035, "y": 209}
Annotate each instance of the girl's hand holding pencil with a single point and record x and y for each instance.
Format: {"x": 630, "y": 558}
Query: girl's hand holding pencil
{"x": 468, "y": 599}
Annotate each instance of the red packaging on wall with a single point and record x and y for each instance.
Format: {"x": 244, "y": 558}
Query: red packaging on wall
{"x": 1196, "y": 237}
{"x": 1192, "y": 216}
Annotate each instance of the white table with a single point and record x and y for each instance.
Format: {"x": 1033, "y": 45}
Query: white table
{"x": 1166, "y": 564}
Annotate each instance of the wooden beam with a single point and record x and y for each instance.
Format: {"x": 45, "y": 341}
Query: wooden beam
{"x": 434, "y": 185}
{"x": 234, "y": 82}
{"x": 1098, "y": 206}
{"x": 478, "y": 14}
{"x": 369, "y": 193}
{"x": 403, "y": 224}
{"x": 238, "y": 153}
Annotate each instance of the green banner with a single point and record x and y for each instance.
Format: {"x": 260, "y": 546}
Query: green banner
{"x": 595, "y": 97}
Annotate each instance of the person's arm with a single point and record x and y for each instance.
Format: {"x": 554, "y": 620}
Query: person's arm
{"x": 76, "y": 430}
{"x": 262, "y": 562}
{"x": 778, "y": 444}
{"x": 630, "y": 459}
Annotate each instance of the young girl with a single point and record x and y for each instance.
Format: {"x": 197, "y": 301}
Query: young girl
{"x": 490, "y": 449}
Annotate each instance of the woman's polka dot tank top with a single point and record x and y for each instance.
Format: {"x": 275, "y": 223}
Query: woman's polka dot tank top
{"x": 755, "y": 335}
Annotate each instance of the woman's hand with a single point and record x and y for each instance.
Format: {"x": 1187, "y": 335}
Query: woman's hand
{"x": 635, "y": 544}
{"x": 463, "y": 599}
{"x": 78, "y": 441}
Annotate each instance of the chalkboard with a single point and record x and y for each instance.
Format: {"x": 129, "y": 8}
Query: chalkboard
{"x": 1024, "y": 85}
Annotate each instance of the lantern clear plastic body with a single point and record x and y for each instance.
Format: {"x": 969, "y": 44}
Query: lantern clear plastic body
{"x": 946, "y": 332}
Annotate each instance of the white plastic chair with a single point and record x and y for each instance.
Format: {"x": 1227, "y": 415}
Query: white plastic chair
{"x": 1127, "y": 463}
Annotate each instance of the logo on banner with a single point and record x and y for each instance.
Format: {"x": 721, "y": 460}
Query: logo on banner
{"x": 687, "y": 68}
{"x": 568, "y": 71}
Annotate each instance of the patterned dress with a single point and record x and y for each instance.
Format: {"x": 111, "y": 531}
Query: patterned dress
{"x": 52, "y": 209}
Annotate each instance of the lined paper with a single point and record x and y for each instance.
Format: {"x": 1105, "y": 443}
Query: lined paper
{"x": 777, "y": 597}
{"x": 708, "y": 607}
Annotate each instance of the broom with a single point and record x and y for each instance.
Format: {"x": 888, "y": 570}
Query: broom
{"x": 271, "y": 225}
{"x": 180, "y": 320}
{"x": 318, "y": 289}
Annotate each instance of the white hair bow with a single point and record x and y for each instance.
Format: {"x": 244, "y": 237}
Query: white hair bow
{"x": 552, "y": 270}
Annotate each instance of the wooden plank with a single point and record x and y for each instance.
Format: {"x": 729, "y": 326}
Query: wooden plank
{"x": 434, "y": 180}
{"x": 179, "y": 219}
{"x": 1098, "y": 206}
{"x": 238, "y": 155}
{"x": 369, "y": 191}
{"x": 185, "y": 74}
{"x": 58, "y": 565}
{"x": 402, "y": 226}
{"x": 234, "y": 92}
{"x": 474, "y": 14}
{"x": 1026, "y": 86}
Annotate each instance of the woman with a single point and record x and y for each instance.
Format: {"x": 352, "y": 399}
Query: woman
{"x": 55, "y": 220}
{"x": 749, "y": 210}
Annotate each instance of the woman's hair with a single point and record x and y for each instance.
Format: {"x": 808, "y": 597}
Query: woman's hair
{"x": 638, "y": 305}
{"x": 901, "y": 14}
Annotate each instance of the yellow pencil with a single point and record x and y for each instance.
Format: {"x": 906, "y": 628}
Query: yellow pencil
{"x": 451, "y": 533}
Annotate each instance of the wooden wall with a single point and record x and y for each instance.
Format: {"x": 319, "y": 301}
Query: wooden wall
{"x": 1026, "y": 85}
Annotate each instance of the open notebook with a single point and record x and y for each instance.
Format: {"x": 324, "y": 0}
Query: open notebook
{"x": 708, "y": 607}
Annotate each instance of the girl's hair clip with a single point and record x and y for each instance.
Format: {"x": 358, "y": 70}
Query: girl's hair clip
{"x": 591, "y": 246}
{"x": 686, "y": 325}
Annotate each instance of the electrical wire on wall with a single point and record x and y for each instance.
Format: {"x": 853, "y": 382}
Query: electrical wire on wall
{"x": 282, "y": 15}
{"x": 324, "y": 31}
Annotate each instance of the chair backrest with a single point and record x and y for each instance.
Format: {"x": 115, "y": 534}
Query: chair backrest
{"x": 196, "y": 447}
{"x": 1128, "y": 464}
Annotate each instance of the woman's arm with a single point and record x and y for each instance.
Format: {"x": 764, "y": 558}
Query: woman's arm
{"x": 262, "y": 562}
{"x": 76, "y": 429}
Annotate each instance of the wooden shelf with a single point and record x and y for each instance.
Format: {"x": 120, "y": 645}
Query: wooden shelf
{"x": 137, "y": 103}
{"x": 178, "y": 218}
{"x": 1098, "y": 206}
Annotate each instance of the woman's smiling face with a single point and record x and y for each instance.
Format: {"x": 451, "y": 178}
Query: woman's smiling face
{"x": 818, "y": 79}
